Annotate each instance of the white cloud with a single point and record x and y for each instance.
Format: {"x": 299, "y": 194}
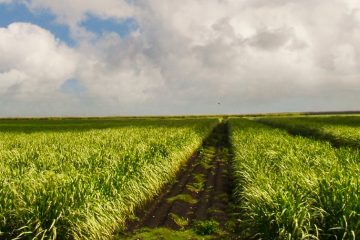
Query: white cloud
{"x": 32, "y": 61}
{"x": 254, "y": 55}
{"x": 257, "y": 51}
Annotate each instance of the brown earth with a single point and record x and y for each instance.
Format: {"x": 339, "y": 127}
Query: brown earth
{"x": 201, "y": 190}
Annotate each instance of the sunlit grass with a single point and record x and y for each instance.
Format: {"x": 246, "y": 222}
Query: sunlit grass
{"x": 341, "y": 131}
{"x": 83, "y": 183}
{"x": 292, "y": 187}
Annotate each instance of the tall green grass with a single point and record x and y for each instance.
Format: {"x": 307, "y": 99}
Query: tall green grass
{"x": 83, "y": 181}
{"x": 292, "y": 187}
{"x": 340, "y": 130}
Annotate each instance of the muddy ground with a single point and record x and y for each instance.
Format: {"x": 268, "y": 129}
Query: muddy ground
{"x": 201, "y": 191}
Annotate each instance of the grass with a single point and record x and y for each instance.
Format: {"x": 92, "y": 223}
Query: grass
{"x": 184, "y": 198}
{"x": 292, "y": 187}
{"x": 339, "y": 130}
{"x": 198, "y": 184}
{"x": 207, "y": 227}
{"x": 180, "y": 221}
{"x": 207, "y": 155}
{"x": 81, "y": 179}
{"x": 166, "y": 234}
{"x": 195, "y": 187}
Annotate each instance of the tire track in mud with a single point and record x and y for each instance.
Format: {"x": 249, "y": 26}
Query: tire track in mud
{"x": 201, "y": 190}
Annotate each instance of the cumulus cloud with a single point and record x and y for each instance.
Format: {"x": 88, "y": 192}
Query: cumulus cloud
{"x": 187, "y": 56}
{"x": 32, "y": 61}
{"x": 116, "y": 69}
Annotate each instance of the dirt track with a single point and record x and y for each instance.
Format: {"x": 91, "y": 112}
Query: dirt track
{"x": 201, "y": 190}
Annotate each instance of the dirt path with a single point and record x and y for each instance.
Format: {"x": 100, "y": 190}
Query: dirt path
{"x": 200, "y": 192}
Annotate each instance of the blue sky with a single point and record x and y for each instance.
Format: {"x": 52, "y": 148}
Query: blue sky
{"x": 18, "y": 12}
{"x": 100, "y": 26}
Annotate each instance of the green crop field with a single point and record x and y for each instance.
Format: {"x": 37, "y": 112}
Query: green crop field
{"x": 340, "y": 130}
{"x": 82, "y": 178}
{"x": 295, "y": 177}
{"x": 293, "y": 187}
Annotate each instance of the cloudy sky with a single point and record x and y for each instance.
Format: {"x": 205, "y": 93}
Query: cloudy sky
{"x": 148, "y": 57}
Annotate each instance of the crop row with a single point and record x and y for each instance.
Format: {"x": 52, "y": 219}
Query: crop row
{"x": 341, "y": 131}
{"x": 84, "y": 184}
{"x": 293, "y": 187}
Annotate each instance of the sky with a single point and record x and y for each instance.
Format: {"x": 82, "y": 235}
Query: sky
{"x": 161, "y": 57}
